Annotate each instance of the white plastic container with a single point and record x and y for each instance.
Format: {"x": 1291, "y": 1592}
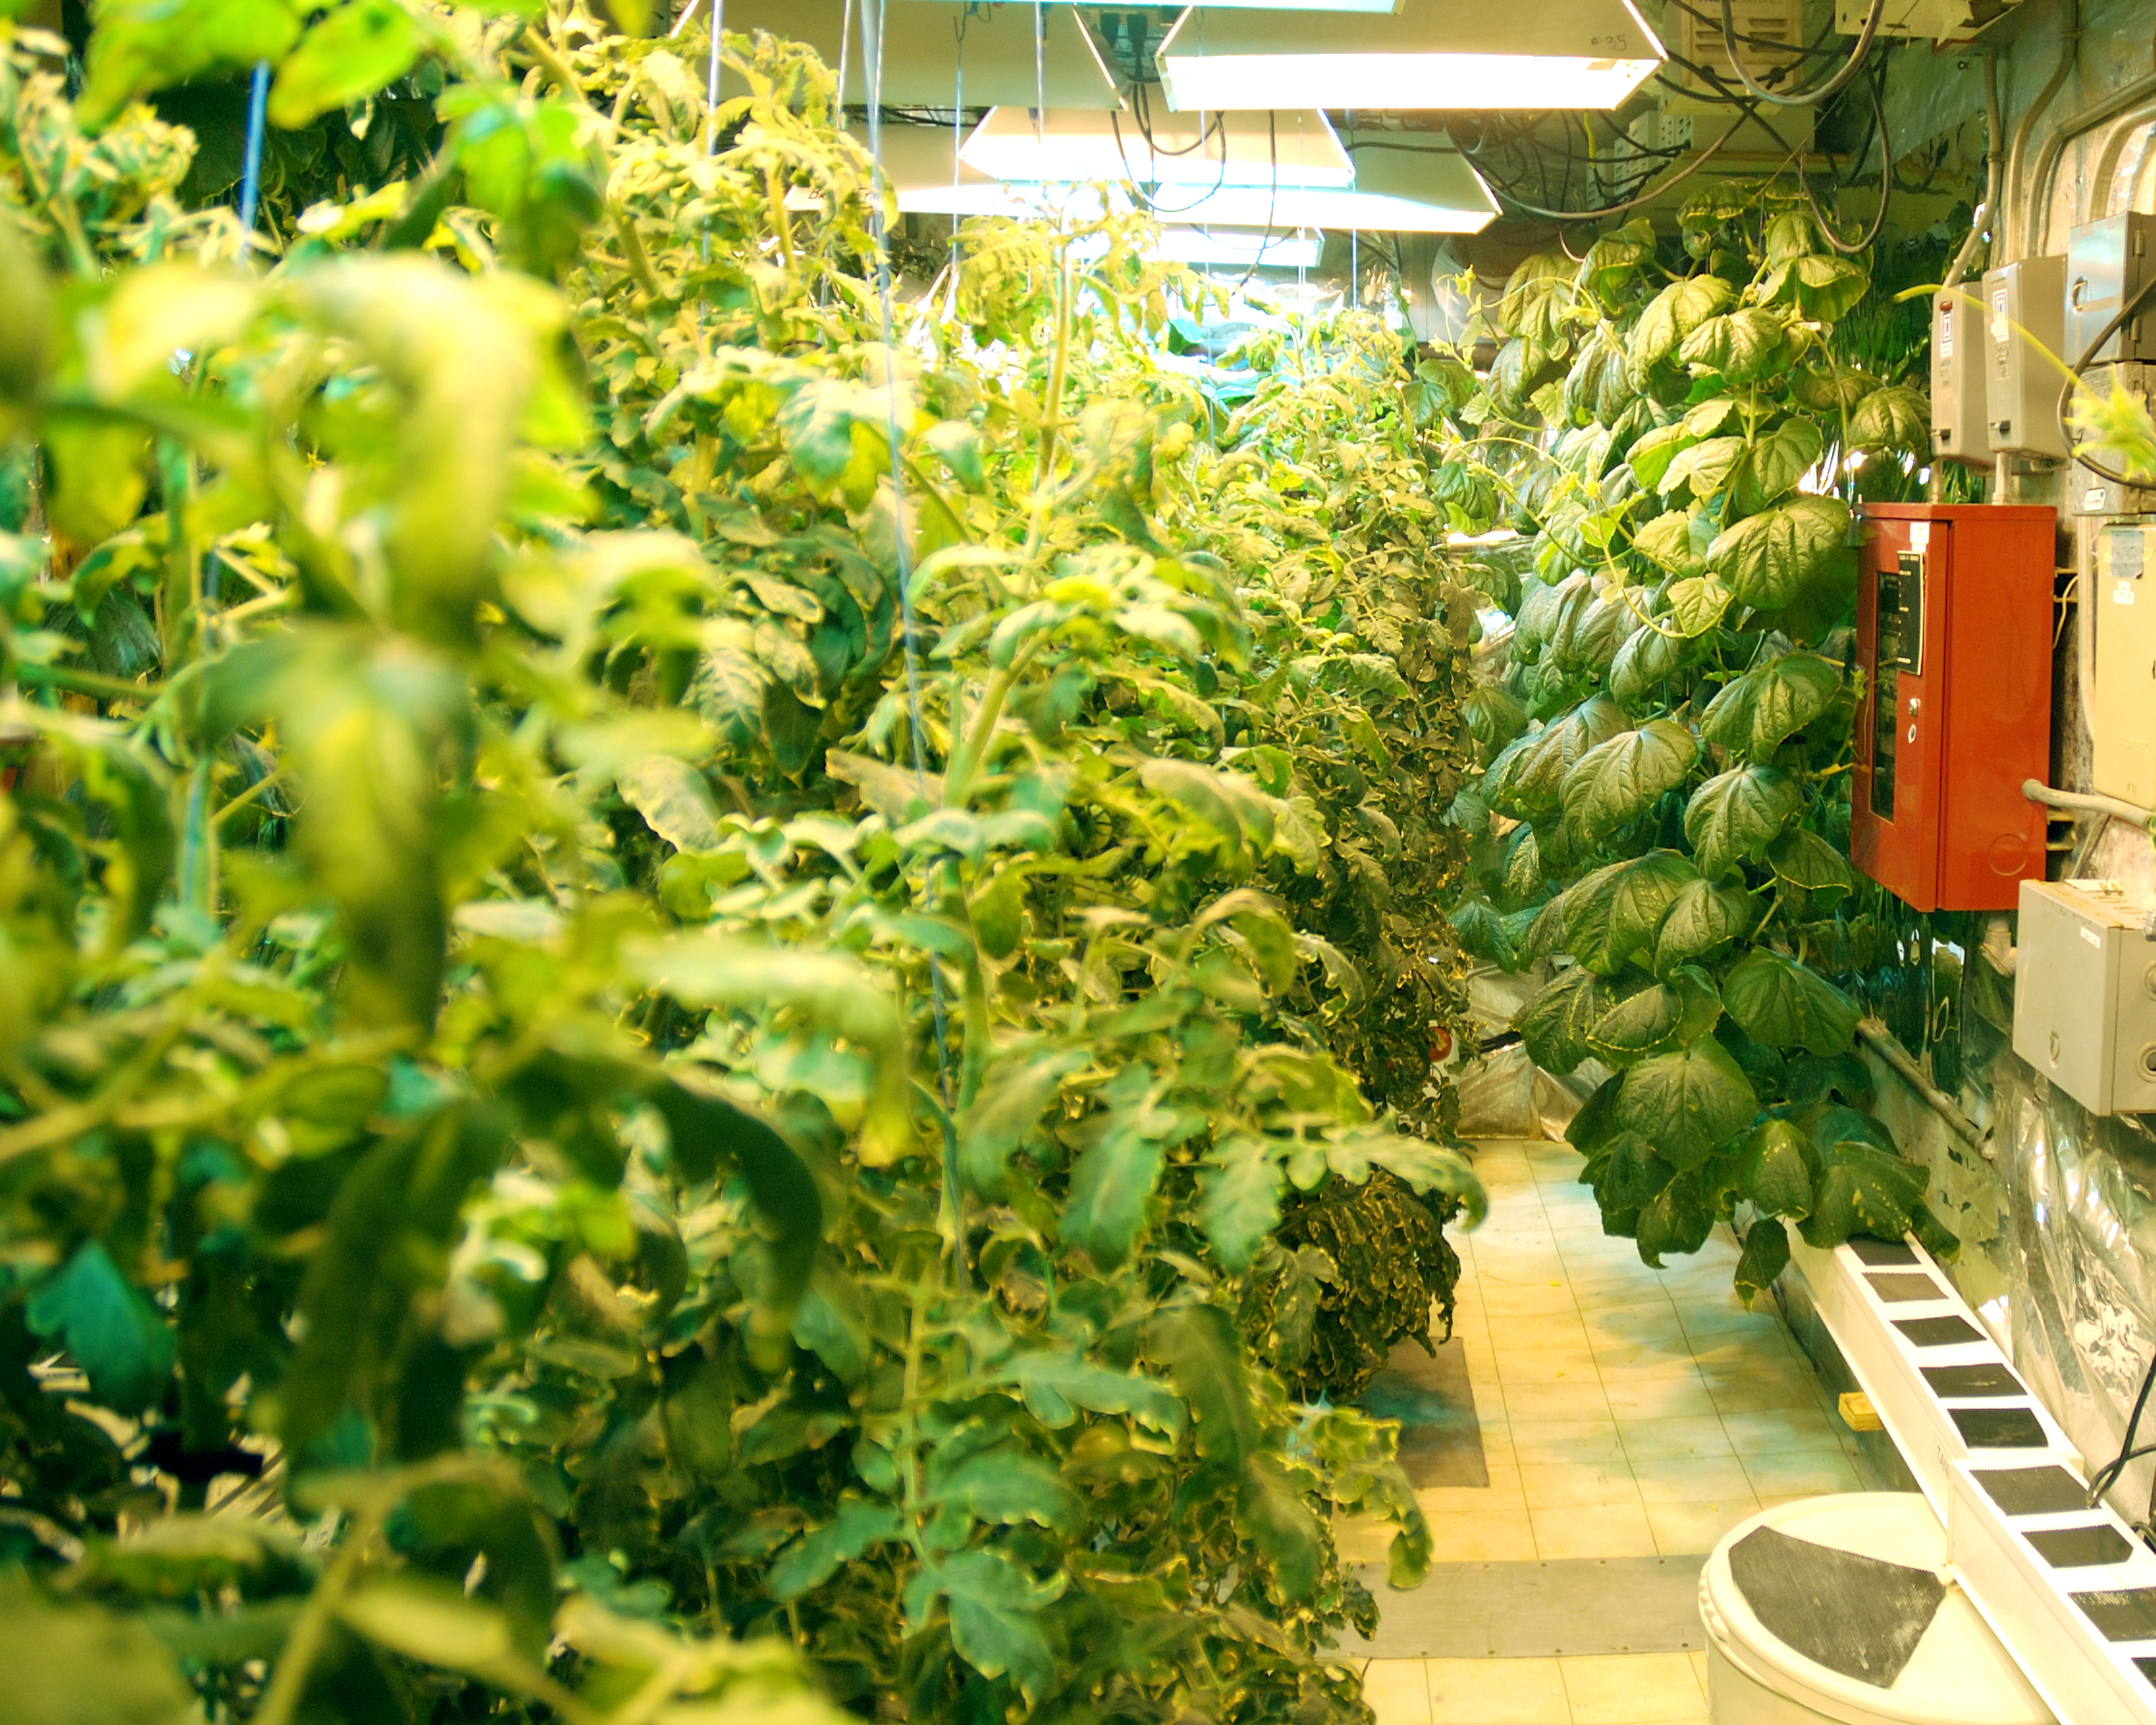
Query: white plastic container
{"x": 1959, "y": 1674}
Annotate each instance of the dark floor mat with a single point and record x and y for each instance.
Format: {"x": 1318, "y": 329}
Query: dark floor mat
{"x": 2081, "y": 1548}
{"x": 2126, "y": 1614}
{"x": 1441, "y": 1439}
{"x": 1853, "y": 1614}
{"x": 1905, "y": 1284}
{"x": 1883, "y": 1251}
{"x": 1967, "y": 1383}
{"x": 1938, "y": 1332}
{"x": 2033, "y": 1490}
{"x": 1998, "y": 1428}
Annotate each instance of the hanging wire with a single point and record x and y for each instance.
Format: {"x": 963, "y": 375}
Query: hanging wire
{"x": 871, "y": 17}
{"x": 250, "y": 172}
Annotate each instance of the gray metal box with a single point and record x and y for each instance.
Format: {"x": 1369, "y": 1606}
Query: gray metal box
{"x": 2027, "y": 301}
{"x": 1959, "y": 366}
{"x": 2085, "y": 993}
{"x": 2090, "y": 495}
{"x": 2106, "y": 263}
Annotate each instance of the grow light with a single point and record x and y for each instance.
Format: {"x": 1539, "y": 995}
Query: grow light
{"x": 923, "y": 54}
{"x": 1204, "y": 150}
{"x": 1394, "y": 192}
{"x": 930, "y": 178}
{"x": 1241, "y": 248}
{"x": 1430, "y": 54}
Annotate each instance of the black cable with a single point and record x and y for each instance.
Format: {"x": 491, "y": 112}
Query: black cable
{"x": 2066, "y": 394}
{"x": 2103, "y": 1478}
{"x": 1809, "y": 98}
{"x": 1886, "y": 180}
{"x": 1804, "y": 51}
{"x": 1272, "y": 202}
{"x": 1682, "y": 174}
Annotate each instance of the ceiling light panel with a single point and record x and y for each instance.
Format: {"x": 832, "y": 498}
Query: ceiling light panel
{"x": 1430, "y": 53}
{"x": 1297, "y": 148}
{"x": 1432, "y": 190}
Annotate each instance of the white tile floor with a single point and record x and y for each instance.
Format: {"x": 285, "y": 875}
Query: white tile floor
{"x": 1625, "y": 1412}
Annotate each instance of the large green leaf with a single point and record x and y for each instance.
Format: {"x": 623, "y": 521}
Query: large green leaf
{"x": 1670, "y": 315}
{"x": 111, "y": 1332}
{"x": 79, "y": 1665}
{"x": 1652, "y": 654}
{"x": 1776, "y": 460}
{"x": 1670, "y": 541}
{"x": 1863, "y": 1190}
{"x": 995, "y": 1607}
{"x": 1742, "y": 346}
{"x": 1776, "y": 1171}
{"x": 1612, "y": 915}
{"x": 1616, "y": 782}
{"x": 1678, "y": 1219}
{"x": 1240, "y": 1204}
{"x": 1555, "y": 1025}
{"x": 1768, "y": 560}
{"x": 1704, "y": 917}
{"x": 347, "y": 55}
{"x": 1494, "y": 718}
{"x": 1539, "y": 298}
{"x": 1761, "y": 709}
{"x": 1007, "y": 1110}
{"x": 1732, "y": 817}
{"x": 1698, "y": 604}
{"x": 1687, "y": 1104}
{"x": 1821, "y": 288}
{"x": 1802, "y": 859}
{"x": 1112, "y": 1183}
{"x": 143, "y": 45}
{"x": 1786, "y": 1004}
{"x": 1896, "y": 417}
{"x": 1534, "y": 784}
{"x": 1707, "y": 468}
{"x": 1670, "y": 1015}
{"x": 1765, "y": 1256}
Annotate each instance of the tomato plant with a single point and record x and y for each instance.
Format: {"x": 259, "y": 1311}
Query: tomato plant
{"x": 688, "y": 951}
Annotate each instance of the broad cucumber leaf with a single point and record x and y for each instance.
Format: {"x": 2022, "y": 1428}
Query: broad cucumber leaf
{"x": 1494, "y": 717}
{"x": 1687, "y": 1104}
{"x": 1534, "y": 784}
{"x": 1678, "y": 1219}
{"x": 1670, "y": 542}
{"x": 1670, "y": 315}
{"x": 1763, "y": 708}
{"x": 1483, "y": 932}
{"x": 1652, "y": 654}
{"x": 1734, "y": 815}
{"x": 1776, "y": 460}
{"x": 1612, "y": 915}
{"x": 1785, "y": 1004}
{"x": 1656, "y": 1020}
{"x": 1801, "y": 858}
{"x": 1698, "y": 604}
{"x": 1556, "y": 1024}
{"x": 1707, "y": 468}
{"x": 1704, "y": 917}
{"x": 1768, "y": 560}
{"x": 1742, "y": 346}
{"x": 1629, "y": 1174}
{"x": 1765, "y": 1256}
{"x": 1524, "y": 879}
{"x": 1862, "y": 1190}
{"x": 1540, "y": 298}
{"x": 1616, "y": 782}
{"x": 1822, "y": 289}
{"x": 1895, "y": 418}
{"x": 1776, "y": 1171}
{"x": 1536, "y": 620}
{"x": 1652, "y": 456}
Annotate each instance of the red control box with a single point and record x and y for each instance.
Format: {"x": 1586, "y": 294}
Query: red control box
{"x": 1953, "y": 679}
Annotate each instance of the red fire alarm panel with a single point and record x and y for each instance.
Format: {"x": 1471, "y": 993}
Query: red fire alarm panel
{"x": 1953, "y": 679}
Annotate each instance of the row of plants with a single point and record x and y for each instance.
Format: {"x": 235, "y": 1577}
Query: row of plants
{"x": 720, "y": 994}
{"x": 1662, "y": 812}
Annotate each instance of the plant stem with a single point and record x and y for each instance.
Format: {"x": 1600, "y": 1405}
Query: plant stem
{"x": 281, "y": 1699}
{"x": 89, "y": 683}
{"x": 1051, "y": 417}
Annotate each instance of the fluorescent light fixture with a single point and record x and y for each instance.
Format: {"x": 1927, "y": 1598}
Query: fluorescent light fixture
{"x": 1241, "y": 248}
{"x": 919, "y": 161}
{"x": 1430, "y": 54}
{"x": 921, "y": 51}
{"x": 1297, "y": 148}
{"x": 1394, "y": 192}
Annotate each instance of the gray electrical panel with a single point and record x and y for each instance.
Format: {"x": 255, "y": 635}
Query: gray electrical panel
{"x": 1958, "y": 432}
{"x": 2088, "y": 493}
{"x": 2027, "y": 304}
{"x": 2085, "y": 993}
{"x": 2107, "y": 264}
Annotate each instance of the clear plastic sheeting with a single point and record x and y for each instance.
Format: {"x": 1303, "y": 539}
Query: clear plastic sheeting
{"x": 1503, "y": 1094}
{"x": 2058, "y": 1232}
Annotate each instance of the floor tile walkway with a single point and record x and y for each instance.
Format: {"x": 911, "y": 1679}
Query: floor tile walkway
{"x": 1625, "y": 1412}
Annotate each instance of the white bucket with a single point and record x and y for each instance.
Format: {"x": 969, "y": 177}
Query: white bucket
{"x": 1959, "y": 1673}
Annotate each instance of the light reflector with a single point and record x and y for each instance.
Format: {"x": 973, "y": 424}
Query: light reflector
{"x": 1394, "y": 192}
{"x": 1430, "y": 54}
{"x": 1297, "y": 148}
{"x": 1241, "y": 248}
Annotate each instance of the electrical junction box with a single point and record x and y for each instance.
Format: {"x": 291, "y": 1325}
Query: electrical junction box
{"x": 2121, "y": 612}
{"x": 2107, "y": 264}
{"x": 1938, "y": 20}
{"x": 2026, "y": 303}
{"x": 2085, "y": 993}
{"x": 1953, "y": 701}
{"x": 1960, "y": 364}
{"x": 1756, "y": 24}
{"x": 2089, "y": 495}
